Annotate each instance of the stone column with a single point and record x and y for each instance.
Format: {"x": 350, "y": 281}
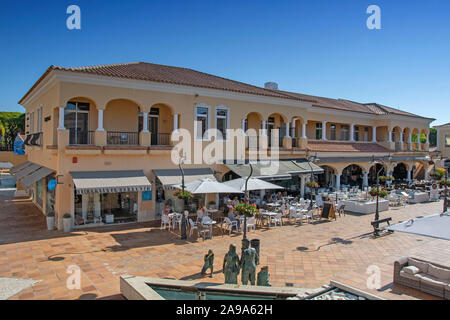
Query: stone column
{"x": 287, "y": 130}
{"x": 426, "y": 173}
{"x": 390, "y": 136}
{"x": 304, "y": 130}
{"x": 366, "y": 179}
{"x": 100, "y": 120}
{"x": 302, "y": 185}
{"x": 263, "y": 127}
{"x": 175, "y": 123}
{"x": 338, "y": 181}
{"x": 100, "y": 135}
{"x": 145, "y": 122}
{"x": 324, "y": 130}
{"x": 243, "y": 125}
{"x": 374, "y": 134}
{"x": 352, "y": 132}
{"x": 61, "y": 119}
{"x": 408, "y": 178}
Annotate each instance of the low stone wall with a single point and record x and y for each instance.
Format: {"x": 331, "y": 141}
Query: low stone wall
{"x": 9, "y": 156}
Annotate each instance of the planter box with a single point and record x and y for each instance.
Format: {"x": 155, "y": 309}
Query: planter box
{"x": 109, "y": 218}
{"x": 67, "y": 224}
{"x": 50, "y": 223}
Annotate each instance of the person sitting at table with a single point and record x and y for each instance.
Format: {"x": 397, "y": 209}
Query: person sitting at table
{"x": 270, "y": 199}
{"x": 233, "y": 217}
{"x": 203, "y": 209}
{"x": 225, "y": 199}
{"x": 279, "y": 196}
{"x": 285, "y": 194}
{"x": 235, "y": 201}
{"x": 166, "y": 209}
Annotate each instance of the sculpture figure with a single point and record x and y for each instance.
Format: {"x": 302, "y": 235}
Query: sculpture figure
{"x": 209, "y": 263}
{"x": 231, "y": 265}
{"x": 263, "y": 277}
{"x": 248, "y": 265}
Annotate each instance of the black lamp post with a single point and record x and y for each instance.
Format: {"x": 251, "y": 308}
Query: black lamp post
{"x": 312, "y": 159}
{"x": 377, "y": 213}
{"x": 183, "y": 217}
{"x": 246, "y": 199}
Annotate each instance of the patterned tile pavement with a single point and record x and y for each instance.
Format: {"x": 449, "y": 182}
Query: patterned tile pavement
{"x": 306, "y": 256}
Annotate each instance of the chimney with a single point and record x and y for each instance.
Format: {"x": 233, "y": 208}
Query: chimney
{"x": 271, "y": 85}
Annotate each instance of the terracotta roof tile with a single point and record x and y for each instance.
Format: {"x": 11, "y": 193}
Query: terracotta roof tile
{"x": 183, "y": 76}
{"x": 338, "y": 146}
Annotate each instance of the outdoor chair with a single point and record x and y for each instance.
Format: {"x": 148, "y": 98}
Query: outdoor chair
{"x": 251, "y": 223}
{"x": 277, "y": 219}
{"x": 230, "y": 224}
{"x": 165, "y": 221}
{"x": 193, "y": 227}
{"x": 203, "y": 231}
{"x": 177, "y": 221}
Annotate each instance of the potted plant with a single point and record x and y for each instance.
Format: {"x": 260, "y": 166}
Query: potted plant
{"x": 67, "y": 222}
{"x": 245, "y": 209}
{"x": 438, "y": 174}
{"x": 312, "y": 184}
{"x": 382, "y": 193}
{"x": 50, "y": 221}
{"x": 180, "y": 194}
{"x": 212, "y": 204}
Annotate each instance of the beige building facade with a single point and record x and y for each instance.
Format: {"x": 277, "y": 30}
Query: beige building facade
{"x": 121, "y": 118}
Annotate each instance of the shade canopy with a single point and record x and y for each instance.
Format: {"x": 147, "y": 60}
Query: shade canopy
{"x": 110, "y": 181}
{"x": 280, "y": 170}
{"x": 171, "y": 177}
{"x": 253, "y": 184}
{"x": 37, "y": 175}
{"x": 434, "y": 226}
{"x": 29, "y": 172}
{"x": 208, "y": 186}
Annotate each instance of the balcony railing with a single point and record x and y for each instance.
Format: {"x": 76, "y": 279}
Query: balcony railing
{"x": 79, "y": 138}
{"x": 160, "y": 139}
{"x": 117, "y": 138}
{"x": 34, "y": 139}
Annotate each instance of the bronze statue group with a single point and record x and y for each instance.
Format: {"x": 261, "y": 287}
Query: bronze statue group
{"x": 232, "y": 265}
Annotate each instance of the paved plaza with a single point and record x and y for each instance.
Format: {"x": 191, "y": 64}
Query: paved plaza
{"x": 306, "y": 256}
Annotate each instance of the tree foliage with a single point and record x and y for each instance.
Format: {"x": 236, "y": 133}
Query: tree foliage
{"x": 11, "y": 123}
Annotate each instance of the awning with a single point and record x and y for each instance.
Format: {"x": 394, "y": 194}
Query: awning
{"x": 20, "y": 167}
{"x": 307, "y": 166}
{"x": 22, "y": 173}
{"x": 28, "y": 173}
{"x": 171, "y": 177}
{"x": 110, "y": 181}
{"x": 35, "y": 176}
{"x": 284, "y": 169}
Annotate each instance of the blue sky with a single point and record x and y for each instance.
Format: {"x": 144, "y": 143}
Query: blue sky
{"x": 315, "y": 47}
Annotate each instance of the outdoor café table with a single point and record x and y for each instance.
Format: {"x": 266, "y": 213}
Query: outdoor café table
{"x": 268, "y": 214}
{"x": 209, "y": 223}
{"x": 172, "y": 216}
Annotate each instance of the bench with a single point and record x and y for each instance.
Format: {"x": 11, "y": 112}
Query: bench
{"x": 376, "y": 225}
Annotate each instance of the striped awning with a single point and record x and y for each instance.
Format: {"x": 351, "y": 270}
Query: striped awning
{"x": 171, "y": 177}
{"x": 110, "y": 181}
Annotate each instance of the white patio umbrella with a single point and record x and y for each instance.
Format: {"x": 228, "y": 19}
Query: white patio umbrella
{"x": 253, "y": 184}
{"x": 208, "y": 186}
{"x": 434, "y": 226}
